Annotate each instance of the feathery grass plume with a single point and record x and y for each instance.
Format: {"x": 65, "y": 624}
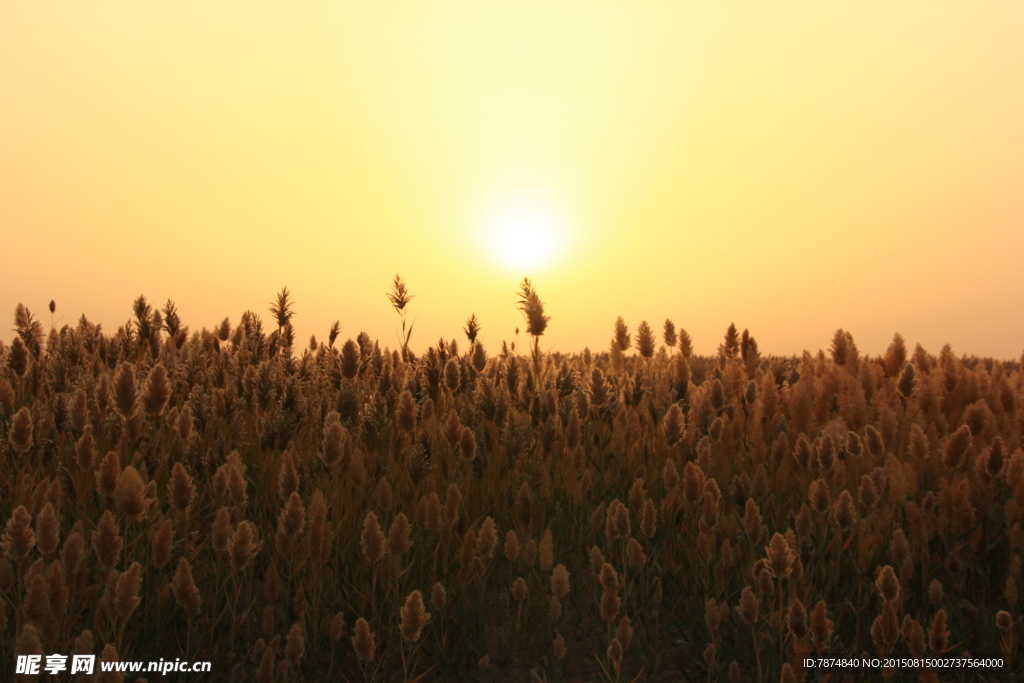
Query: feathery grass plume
{"x": 596, "y": 562}
{"x": 243, "y": 546}
{"x": 180, "y": 488}
{"x": 84, "y": 644}
{"x": 157, "y": 390}
{"x": 36, "y": 606}
{"x": 599, "y": 391}
{"x": 406, "y": 412}
{"x": 221, "y": 530}
{"x": 826, "y": 449}
{"x": 21, "y": 429}
{"x": 295, "y": 645}
{"x": 287, "y": 476}
{"x": 519, "y": 589}
{"x": 335, "y": 440}
{"x": 108, "y": 475}
{"x": 487, "y": 540}
{"x": 47, "y": 529}
{"x": 337, "y": 629}
{"x": 612, "y": 530}
{"x": 398, "y": 536}
{"x": 885, "y": 628}
{"x": 624, "y": 632}
{"x": 673, "y": 425}
{"x": 414, "y": 617}
{"x": 670, "y": 476}
{"x": 709, "y": 656}
{"x": 572, "y": 429}
{"x": 124, "y": 391}
{"x": 1003, "y": 620}
{"x": 956, "y": 447}
{"x": 895, "y": 356}
{"x": 899, "y": 549}
{"x": 28, "y": 642}
{"x": 363, "y": 641}
{"x": 819, "y": 496}
{"x": 635, "y": 554}
{"x": 467, "y": 553}
{"x": 694, "y": 482}
{"x": 529, "y": 556}
{"x": 73, "y": 558}
{"x": 645, "y": 340}
{"x": 129, "y": 494}
{"x": 938, "y": 635}
{"x": 802, "y": 452}
{"x": 349, "y": 359}
{"x": 85, "y": 451}
{"x": 555, "y": 608}
{"x": 108, "y": 655}
{"x": 400, "y": 298}
{"x": 913, "y": 633}
{"x": 887, "y": 584}
{"x": 558, "y": 647}
{"x": 319, "y": 534}
{"x": 610, "y": 601}
{"x": 560, "y": 581}
{"x": 749, "y": 605}
{"x": 511, "y": 546}
{"x": 126, "y": 598}
{"x": 547, "y": 550}
{"x": 615, "y": 653}
{"x": 467, "y": 444}
{"x": 161, "y": 541}
{"x": 752, "y": 520}
{"x": 796, "y": 619}
{"x": 844, "y": 510}
{"x": 649, "y": 520}
{"x": 712, "y": 615}
{"x": 438, "y": 596}
{"x": 472, "y": 328}
{"x": 669, "y": 333}
{"x": 430, "y": 512}
{"x": 452, "y": 375}
{"x": 453, "y": 429}
{"x": 453, "y": 499}
{"x": 291, "y": 521}
{"x": 840, "y": 348}
{"x": 778, "y": 556}
{"x": 107, "y": 541}
{"x": 372, "y": 539}
{"x": 907, "y": 383}
{"x": 19, "y": 358}
{"x": 876, "y": 446}
{"x": 821, "y": 628}
{"x": 868, "y": 494}
{"x": 622, "y": 338}
{"x": 6, "y": 393}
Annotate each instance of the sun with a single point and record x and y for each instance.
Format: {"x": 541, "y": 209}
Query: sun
{"x": 524, "y": 232}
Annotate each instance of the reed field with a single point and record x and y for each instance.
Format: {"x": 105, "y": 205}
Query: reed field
{"x": 341, "y": 510}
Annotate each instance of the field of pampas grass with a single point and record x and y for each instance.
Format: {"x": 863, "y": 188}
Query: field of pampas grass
{"x": 342, "y": 511}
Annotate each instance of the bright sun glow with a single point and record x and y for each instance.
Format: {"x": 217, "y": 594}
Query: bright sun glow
{"x": 524, "y": 232}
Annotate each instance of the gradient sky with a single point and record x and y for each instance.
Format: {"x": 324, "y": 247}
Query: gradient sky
{"x": 793, "y": 167}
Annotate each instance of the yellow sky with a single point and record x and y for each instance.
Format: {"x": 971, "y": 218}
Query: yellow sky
{"x": 792, "y": 167}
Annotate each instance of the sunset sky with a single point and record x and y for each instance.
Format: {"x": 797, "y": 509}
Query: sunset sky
{"x": 794, "y": 167}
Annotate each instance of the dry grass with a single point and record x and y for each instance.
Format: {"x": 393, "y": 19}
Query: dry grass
{"x": 365, "y": 514}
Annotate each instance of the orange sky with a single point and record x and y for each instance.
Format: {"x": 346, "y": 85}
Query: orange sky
{"x": 793, "y": 167}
